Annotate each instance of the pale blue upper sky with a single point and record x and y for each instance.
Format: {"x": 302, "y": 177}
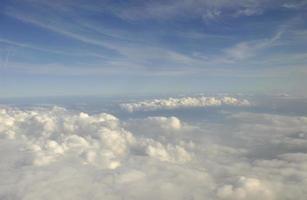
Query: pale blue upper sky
{"x": 105, "y": 47}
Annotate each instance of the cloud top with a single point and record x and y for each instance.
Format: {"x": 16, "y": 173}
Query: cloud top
{"x": 184, "y": 102}
{"x": 248, "y": 156}
{"x": 99, "y": 140}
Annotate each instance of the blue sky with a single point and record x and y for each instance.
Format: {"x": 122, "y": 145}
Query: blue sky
{"x": 78, "y": 47}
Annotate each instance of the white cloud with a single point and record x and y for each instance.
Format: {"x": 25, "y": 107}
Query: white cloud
{"x": 295, "y": 5}
{"x": 99, "y": 140}
{"x": 184, "y": 102}
{"x": 54, "y": 153}
{"x": 52, "y": 134}
{"x": 245, "y": 188}
{"x": 205, "y": 9}
{"x": 170, "y": 153}
{"x": 245, "y": 50}
{"x": 157, "y": 125}
{"x": 128, "y": 53}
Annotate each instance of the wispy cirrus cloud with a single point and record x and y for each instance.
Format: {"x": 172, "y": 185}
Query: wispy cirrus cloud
{"x": 206, "y": 10}
{"x": 183, "y": 38}
{"x": 17, "y": 44}
{"x": 244, "y": 50}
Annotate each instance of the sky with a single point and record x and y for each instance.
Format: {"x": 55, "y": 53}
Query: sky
{"x": 156, "y": 99}
{"x": 79, "y": 47}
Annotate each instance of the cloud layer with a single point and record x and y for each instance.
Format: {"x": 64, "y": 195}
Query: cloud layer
{"x": 184, "y": 102}
{"x": 99, "y": 140}
{"x": 54, "y": 153}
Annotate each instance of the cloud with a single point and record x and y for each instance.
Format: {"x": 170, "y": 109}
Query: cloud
{"x": 119, "y": 55}
{"x": 171, "y": 9}
{"x": 245, "y": 50}
{"x": 295, "y": 5}
{"x": 245, "y": 188}
{"x": 184, "y": 102}
{"x": 52, "y": 134}
{"x": 169, "y": 153}
{"x": 63, "y": 154}
{"x": 204, "y": 9}
{"x": 61, "y": 52}
{"x": 98, "y": 140}
{"x": 112, "y": 49}
{"x": 162, "y": 125}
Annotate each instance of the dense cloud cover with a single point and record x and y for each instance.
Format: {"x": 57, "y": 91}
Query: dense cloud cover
{"x": 54, "y": 153}
{"x": 184, "y": 102}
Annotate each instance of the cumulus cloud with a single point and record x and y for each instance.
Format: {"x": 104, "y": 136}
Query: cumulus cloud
{"x": 50, "y": 134}
{"x": 98, "y": 140}
{"x": 184, "y": 102}
{"x": 167, "y": 123}
{"x": 54, "y": 153}
{"x": 157, "y": 126}
{"x": 245, "y": 188}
